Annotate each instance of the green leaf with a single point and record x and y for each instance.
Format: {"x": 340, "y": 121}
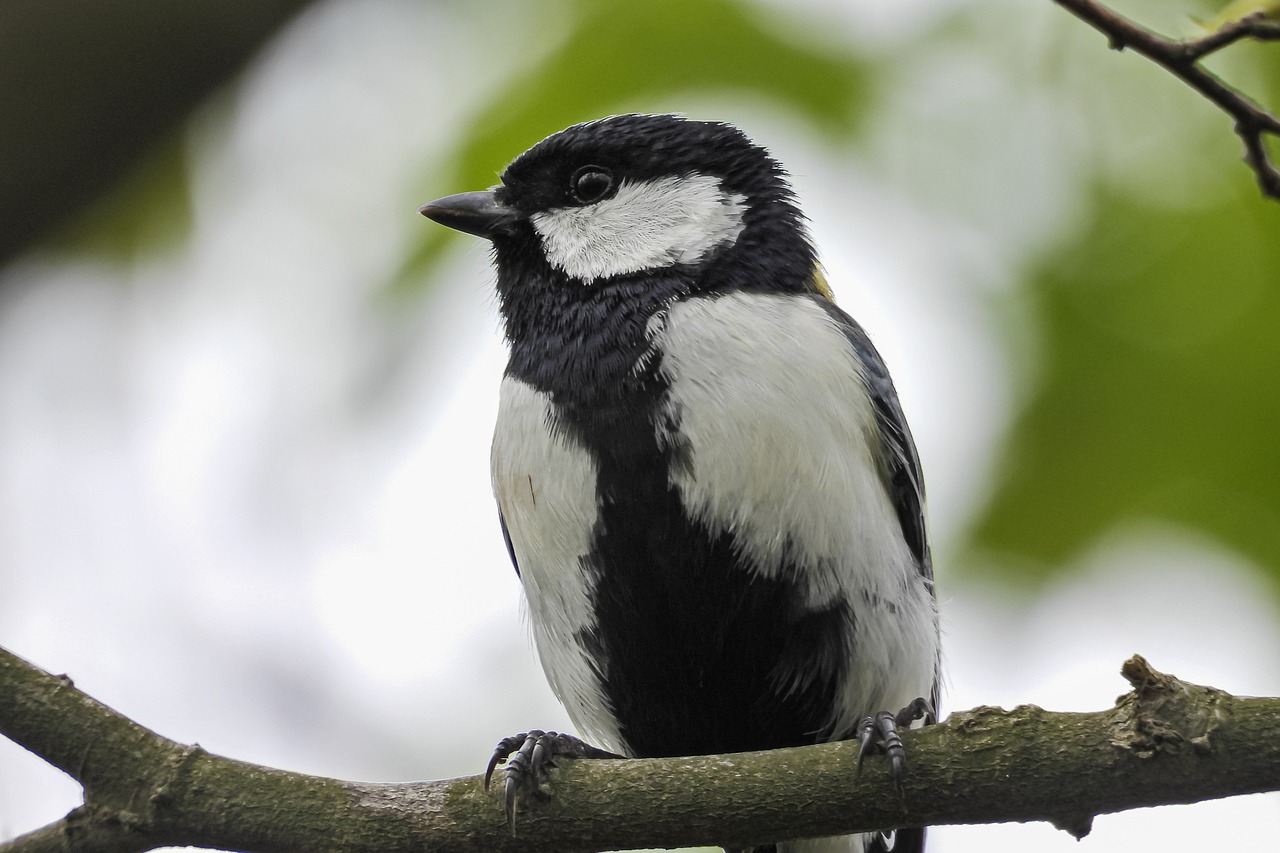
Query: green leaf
{"x": 1160, "y": 390}
{"x": 1238, "y": 9}
{"x": 621, "y": 56}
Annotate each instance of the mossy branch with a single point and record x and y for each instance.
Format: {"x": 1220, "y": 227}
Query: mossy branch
{"x": 1164, "y": 742}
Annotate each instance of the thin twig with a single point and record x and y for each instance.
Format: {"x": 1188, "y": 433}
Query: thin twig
{"x": 1182, "y": 59}
{"x": 1255, "y": 26}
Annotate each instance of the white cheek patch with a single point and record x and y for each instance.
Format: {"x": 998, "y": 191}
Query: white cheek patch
{"x": 658, "y": 223}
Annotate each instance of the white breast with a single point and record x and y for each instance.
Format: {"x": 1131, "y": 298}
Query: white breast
{"x": 546, "y": 488}
{"x": 770, "y": 397}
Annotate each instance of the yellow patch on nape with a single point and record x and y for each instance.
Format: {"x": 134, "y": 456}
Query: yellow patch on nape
{"x": 819, "y": 283}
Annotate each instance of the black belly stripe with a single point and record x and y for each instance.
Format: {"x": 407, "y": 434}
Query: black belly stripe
{"x": 701, "y": 656}
{"x": 696, "y": 652}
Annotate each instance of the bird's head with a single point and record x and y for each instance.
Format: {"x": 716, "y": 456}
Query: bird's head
{"x": 654, "y": 202}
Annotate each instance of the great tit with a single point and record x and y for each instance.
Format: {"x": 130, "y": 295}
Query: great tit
{"x": 704, "y": 477}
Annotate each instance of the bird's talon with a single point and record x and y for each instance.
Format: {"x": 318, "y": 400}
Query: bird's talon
{"x": 529, "y": 757}
{"x": 919, "y": 709}
{"x": 880, "y": 733}
{"x": 500, "y": 753}
{"x": 866, "y": 739}
{"x": 510, "y": 798}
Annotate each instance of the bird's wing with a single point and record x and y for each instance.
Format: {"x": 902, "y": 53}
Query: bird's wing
{"x": 900, "y": 465}
{"x": 903, "y": 481}
{"x": 506, "y": 537}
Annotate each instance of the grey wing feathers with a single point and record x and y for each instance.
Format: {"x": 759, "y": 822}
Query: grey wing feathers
{"x": 905, "y": 485}
{"x": 903, "y": 479}
{"x": 506, "y": 537}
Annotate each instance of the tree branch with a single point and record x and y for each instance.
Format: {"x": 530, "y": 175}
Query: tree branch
{"x": 1182, "y": 59}
{"x": 1164, "y": 742}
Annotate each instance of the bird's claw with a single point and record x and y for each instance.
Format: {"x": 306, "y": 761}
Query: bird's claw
{"x": 529, "y": 758}
{"x": 881, "y": 732}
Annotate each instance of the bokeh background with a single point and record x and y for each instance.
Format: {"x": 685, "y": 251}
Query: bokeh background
{"x": 246, "y": 392}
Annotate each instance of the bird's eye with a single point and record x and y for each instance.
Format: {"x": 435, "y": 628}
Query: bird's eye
{"x": 590, "y": 184}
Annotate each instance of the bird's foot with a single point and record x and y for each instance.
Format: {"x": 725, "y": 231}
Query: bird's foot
{"x": 530, "y": 756}
{"x": 880, "y": 733}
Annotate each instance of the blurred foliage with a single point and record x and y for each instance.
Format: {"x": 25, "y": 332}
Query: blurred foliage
{"x": 617, "y": 55}
{"x": 89, "y": 90}
{"x": 1158, "y": 395}
{"x": 1238, "y": 9}
{"x": 1157, "y": 391}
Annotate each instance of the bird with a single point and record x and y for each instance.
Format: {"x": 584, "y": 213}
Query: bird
{"x": 704, "y": 476}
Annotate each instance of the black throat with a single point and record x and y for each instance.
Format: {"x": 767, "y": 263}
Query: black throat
{"x": 585, "y": 343}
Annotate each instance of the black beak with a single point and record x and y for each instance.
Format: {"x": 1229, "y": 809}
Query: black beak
{"x": 476, "y": 213}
